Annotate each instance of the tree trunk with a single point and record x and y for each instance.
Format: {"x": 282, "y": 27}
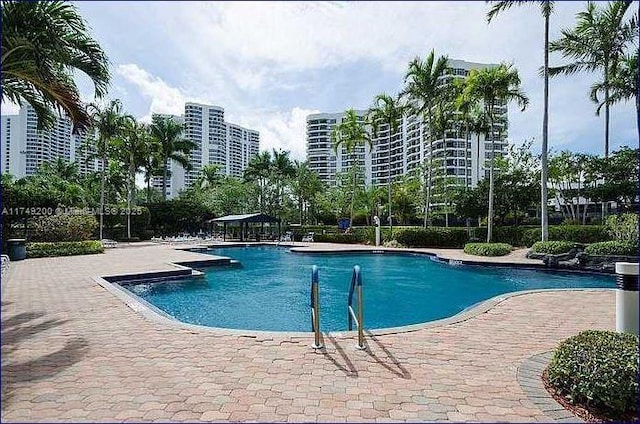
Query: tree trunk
{"x": 353, "y": 197}
{"x": 490, "y": 213}
{"x": 545, "y": 139}
{"x": 148, "y": 190}
{"x": 132, "y": 176}
{"x": 165, "y": 171}
{"x": 389, "y": 181}
{"x": 102, "y": 175}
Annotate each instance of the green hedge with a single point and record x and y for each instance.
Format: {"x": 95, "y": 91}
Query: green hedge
{"x": 63, "y": 227}
{"x": 611, "y": 248}
{"x": 487, "y": 249}
{"x": 598, "y": 369}
{"x": 337, "y": 238}
{"x": 63, "y": 248}
{"x": 552, "y": 247}
{"x": 431, "y": 237}
{"x": 576, "y": 233}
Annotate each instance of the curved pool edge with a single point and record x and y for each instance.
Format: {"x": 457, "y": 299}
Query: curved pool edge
{"x": 155, "y": 314}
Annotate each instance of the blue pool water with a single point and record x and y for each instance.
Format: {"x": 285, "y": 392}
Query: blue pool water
{"x": 271, "y": 289}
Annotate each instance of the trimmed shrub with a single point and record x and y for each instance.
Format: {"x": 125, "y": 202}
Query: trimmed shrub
{"x": 623, "y": 228}
{"x": 63, "y": 227}
{"x": 431, "y": 237}
{"x": 337, "y": 238}
{"x": 487, "y": 249}
{"x": 552, "y": 247}
{"x": 611, "y": 248}
{"x": 576, "y": 233}
{"x": 68, "y": 248}
{"x": 598, "y": 369}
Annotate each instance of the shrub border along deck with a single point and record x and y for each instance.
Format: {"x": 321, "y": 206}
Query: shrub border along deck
{"x": 529, "y": 376}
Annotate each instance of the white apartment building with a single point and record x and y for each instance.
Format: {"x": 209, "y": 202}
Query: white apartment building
{"x": 217, "y": 142}
{"x": 411, "y": 145}
{"x": 24, "y": 148}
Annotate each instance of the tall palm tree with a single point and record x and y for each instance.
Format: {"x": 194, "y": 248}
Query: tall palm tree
{"x": 597, "y": 42}
{"x": 172, "y": 145}
{"x": 423, "y": 87}
{"x": 43, "y": 44}
{"x": 494, "y": 86}
{"x": 282, "y": 170}
{"x": 350, "y": 134}
{"x": 151, "y": 164}
{"x": 546, "y": 8}
{"x": 389, "y": 111}
{"x": 623, "y": 86}
{"x": 132, "y": 147}
{"x": 107, "y": 123}
{"x": 258, "y": 170}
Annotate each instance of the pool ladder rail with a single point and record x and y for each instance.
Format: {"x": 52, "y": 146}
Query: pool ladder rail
{"x": 352, "y": 317}
{"x": 315, "y": 310}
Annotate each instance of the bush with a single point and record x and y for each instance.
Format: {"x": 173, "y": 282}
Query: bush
{"x": 487, "y": 249}
{"x": 623, "y": 228}
{"x": 431, "y": 237}
{"x": 598, "y": 369}
{"x": 68, "y": 248}
{"x": 337, "y": 238}
{"x": 368, "y": 234}
{"x": 611, "y": 248}
{"x": 576, "y": 233}
{"x": 63, "y": 227}
{"x": 552, "y": 247}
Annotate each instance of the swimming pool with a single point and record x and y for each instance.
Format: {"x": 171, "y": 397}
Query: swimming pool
{"x": 270, "y": 290}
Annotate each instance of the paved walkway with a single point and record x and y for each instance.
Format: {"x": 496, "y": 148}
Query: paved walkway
{"x": 71, "y": 351}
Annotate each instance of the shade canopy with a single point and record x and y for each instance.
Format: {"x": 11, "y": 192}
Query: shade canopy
{"x": 252, "y": 217}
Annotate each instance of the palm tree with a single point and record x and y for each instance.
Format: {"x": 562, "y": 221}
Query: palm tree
{"x": 172, "y": 145}
{"x": 423, "y": 88}
{"x": 43, "y": 44}
{"x": 306, "y": 186}
{"x": 494, "y": 86}
{"x": 151, "y": 164}
{"x": 210, "y": 176}
{"x": 389, "y": 111}
{"x": 282, "y": 170}
{"x": 132, "y": 146}
{"x": 350, "y": 134}
{"x": 67, "y": 171}
{"x": 597, "y": 42}
{"x": 258, "y": 170}
{"x": 623, "y": 86}
{"x": 546, "y": 8}
{"x": 108, "y": 122}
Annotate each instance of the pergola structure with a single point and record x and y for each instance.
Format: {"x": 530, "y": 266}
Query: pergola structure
{"x": 244, "y": 221}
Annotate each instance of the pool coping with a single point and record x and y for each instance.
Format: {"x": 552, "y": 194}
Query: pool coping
{"x": 151, "y": 312}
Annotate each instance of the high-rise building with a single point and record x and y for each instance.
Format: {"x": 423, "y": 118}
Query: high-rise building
{"x": 216, "y": 143}
{"x": 25, "y": 148}
{"x": 452, "y": 154}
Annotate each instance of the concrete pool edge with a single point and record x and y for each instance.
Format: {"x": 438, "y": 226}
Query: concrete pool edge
{"x": 155, "y": 314}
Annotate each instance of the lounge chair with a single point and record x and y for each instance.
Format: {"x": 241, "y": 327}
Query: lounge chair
{"x": 288, "y": 236}
{"x": 308, "y": 237}
{"x": 108, "y": 243}
{"x": 5, "y": 263}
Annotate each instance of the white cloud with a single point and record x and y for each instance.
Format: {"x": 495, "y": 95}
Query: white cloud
{"x": 278, "y": 129}
{"x": 281, "y": 130}
{"x": 164, "y": 99}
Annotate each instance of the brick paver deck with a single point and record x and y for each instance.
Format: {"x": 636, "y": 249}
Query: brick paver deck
{"x": 71, "y": 351}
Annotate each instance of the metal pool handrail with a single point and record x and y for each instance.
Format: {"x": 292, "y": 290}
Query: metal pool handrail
{"x": 315, "y": 309}
{"x": 356, "y": 282}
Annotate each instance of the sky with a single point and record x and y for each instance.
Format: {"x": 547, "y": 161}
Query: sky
{"x": 270, "y": 64}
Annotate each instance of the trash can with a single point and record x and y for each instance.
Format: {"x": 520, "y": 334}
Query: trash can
{"x": 16, "y": 249}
